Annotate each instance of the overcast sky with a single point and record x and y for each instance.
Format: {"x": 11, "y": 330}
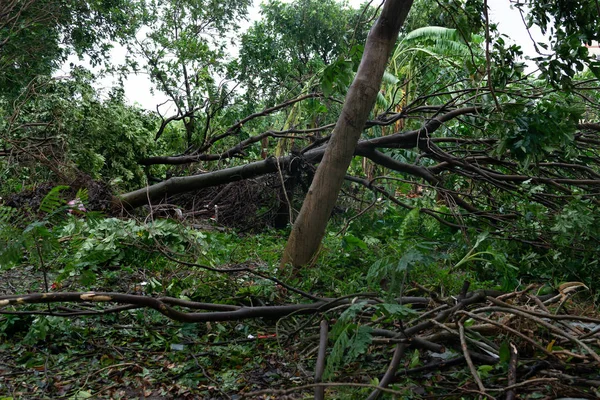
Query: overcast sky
{"x": 137, "y": 87}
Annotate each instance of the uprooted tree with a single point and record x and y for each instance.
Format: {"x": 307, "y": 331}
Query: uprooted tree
{"x": 457, "y": 116}
{"x": 493, "y": 148}
{"x": 440, "y": 119}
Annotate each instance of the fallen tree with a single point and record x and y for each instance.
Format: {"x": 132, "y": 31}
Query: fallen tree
{"x": 495, "y": 184}
{"x": 310, "y": 155}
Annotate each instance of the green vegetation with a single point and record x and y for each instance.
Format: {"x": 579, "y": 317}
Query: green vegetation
{"x": 141, "y": 251}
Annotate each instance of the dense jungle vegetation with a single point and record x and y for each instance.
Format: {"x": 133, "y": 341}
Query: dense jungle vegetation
{"x": 388, "y": 201}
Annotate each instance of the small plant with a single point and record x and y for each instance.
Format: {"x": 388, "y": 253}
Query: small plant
{"x": 351, "y": 339}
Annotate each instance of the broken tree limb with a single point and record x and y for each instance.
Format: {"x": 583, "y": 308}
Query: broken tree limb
{"x": 321, "y": 358}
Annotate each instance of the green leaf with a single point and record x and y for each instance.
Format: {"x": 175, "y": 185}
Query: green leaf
{"x": 504, "y": 352}
{"x": 52, "y": 201}
{"x": 396, "y": 311}
{"x": 351, "y": 242}
{"x": 415, "y": 360}
{"x": 484, "y": 370}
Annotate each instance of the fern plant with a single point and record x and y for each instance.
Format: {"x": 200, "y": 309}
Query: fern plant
{"x": 52, "y": 202}
{"x": 10, "y": 235}
{"x": 37, "y": 239}
{"x": 351, "y": 339}
{"x": 410, "y": 250}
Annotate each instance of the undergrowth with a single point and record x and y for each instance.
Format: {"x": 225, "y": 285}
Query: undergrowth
{"x": 73, "y": 251}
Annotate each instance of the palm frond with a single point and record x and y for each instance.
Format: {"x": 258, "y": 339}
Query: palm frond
{"x": 431, "y": 33}
{"x": 389, "y": 78}
{"x": 438, "y": 42}
{"x": 381, "y": 101}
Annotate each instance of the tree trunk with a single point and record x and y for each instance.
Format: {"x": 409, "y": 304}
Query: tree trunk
{"x": 310, "y": 225}
{"x": 366, "y": 148}
{"x": 176, "y": 185}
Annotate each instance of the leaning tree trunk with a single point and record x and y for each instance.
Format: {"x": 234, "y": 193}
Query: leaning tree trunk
{"x": 310, "y": 225}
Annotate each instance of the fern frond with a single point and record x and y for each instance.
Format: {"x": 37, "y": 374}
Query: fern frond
{"x": 7, "y": 215}
{"x": 52, "y": 201}
{"x": 410, "y": 226}
{"x": 337, "y": 354}
{"x": 351, "y": 340}
{"x": 11, "y": 243}
{"x": 82, "y": 195}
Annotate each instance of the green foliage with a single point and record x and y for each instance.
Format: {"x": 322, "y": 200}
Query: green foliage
{"x": 405, "y": 250}
{"x": 185, "y": 47}
{"x": 36, "y": 240}
{"x": 395, "y": 311}
{"x": 53, "y": 200}
{"x": 118, "y": 243}
{"x": 293, "y": 41}
{"x": 296, "y": 48}
{"x": 540, "y": 127}
{"x": 10, "y": 240}
{"x": 37, "y": 36}
{"x": 575, "y": 233}
{"x": 507, "y": 62}
{"x": 570, "y": 28}
{"x": 395, "y": 270}
{"x": 465, "y": 16}
{"x": 93, "y": 242}
{"x": 351, "y": 340}
{"x": 103, "y": 138}
{"x": 576, "y": 219}
{"x": 339, "y": 75}
{"x": 47, "y": 328}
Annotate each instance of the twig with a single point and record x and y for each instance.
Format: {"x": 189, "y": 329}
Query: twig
{"x": 482, "y": 345}
{"x": 487, "y": 55}
{"x": 428, "y": 313}
{"x": 539, "y": 303}
{"x": 283, "y": 188}
{"x": 512, "y": 372}
{"x": 525, "y": 383}
{"x": 561, "y": 317}
{"x": 464, "y": 290}
{"x": 74, "y": 313}
{"x": 547, "y": 325}
{"x": 516, "y": 294}
{"x": 360, "y": 213}
{"x": 509, "y": 329}
{"x": 103, "y": 369}
{"x": 591, "y": 333}
{"x": 389, "y": 374}
{"x": 463, "y": 346}
{"x": 562, "y": 376}
{"x": 285, "y": 392}
{"x": 44, "y": 271}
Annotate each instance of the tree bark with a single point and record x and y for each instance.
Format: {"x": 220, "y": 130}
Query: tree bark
{"x": 310, "y": 225}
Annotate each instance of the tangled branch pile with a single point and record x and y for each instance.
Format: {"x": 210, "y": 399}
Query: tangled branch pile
{"x": 513, "y": 344}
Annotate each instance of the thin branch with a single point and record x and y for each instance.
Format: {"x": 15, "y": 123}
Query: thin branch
{"x": 321, "y": 357}
{"x": 463, "y": 345}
